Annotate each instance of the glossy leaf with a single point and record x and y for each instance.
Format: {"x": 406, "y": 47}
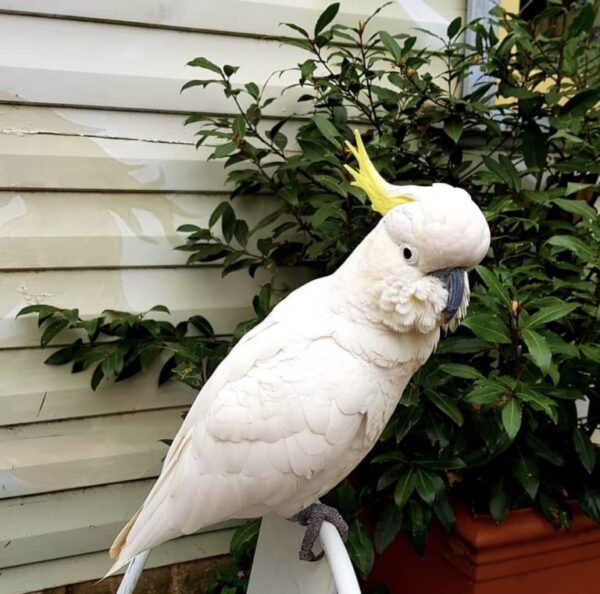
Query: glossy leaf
{"x": 360, "y": 548}
{"x": 538, "y": 348}
{"x": 488, "y": 328}
{"x": 326, "y": 17}
{"x": 404, "y": 488}
{"x": 388, "y": 525}
{"x": 511, "y": 417}
{"x": 585, "y": 449}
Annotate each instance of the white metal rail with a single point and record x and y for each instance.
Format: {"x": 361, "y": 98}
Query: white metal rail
{"x": 276, "y": 567}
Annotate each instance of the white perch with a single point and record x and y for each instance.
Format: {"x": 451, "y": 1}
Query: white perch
{"x": 276, "y": 566}
{"x": 132, "y": 575}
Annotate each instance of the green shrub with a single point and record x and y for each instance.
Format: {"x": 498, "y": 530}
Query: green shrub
{"x": 492, "y": 417}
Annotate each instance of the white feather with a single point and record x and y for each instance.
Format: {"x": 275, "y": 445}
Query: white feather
{"x": 303, "y": 397}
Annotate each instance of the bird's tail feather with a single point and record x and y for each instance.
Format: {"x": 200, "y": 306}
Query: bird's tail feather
{"x": 117, "y": 545}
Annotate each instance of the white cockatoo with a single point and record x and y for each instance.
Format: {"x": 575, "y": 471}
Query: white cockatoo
{"x": 304, "y": 396}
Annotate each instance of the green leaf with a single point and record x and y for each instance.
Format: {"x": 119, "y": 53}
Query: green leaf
{"x": 550, "y": 313}
{"x": 60, "y": 357}
{"x": 535, "y": 147}
{"x": 499, "y": 500}
{"x": 511, "y": 417}
{"x": 266, "y": 221}
{"x": 238, "y": 126}
{"x": 326, "y": 17}
{"x": 576, "y": 207}
{"x": 454, "y": 27}
{"x": 583, "y": 21}
{"x": 591, "y": 352}
{"x": 42, "y": 310}
{"x": 388, "y": 525}
{"x": 323, "y": 213}
{"x": 486, "y": 393}
{"x": 538, "y": 349}
{"x": 97, "y": 377}
{"x": 428, "y": 485}
{"x": 579, "y": 104}
{"x": 404, "y": 488}
{"x": 419, "y": 517}
{"x": 223, "y": 150}
{"x": 461, "y": 346}
{"x": 262, "y": 301}
{"x": 206, "y": 64}
{"x": 244, "y": 536}
{"x": 148, "y": 356}
{"x": 543, "y": 450}
{"x": 113, "y": 364}
{"x": 573, "y": 244}
{"x": 253, "y": 89}
{"x": 589, "y": 498}
{"x": 585, "y": 449}
{"x": 391, "y": 45}
{"x": 453, "y": 127}
{"x": 360, "y": 548}
{"x": 52, "y": 330}
{"x": 460, "y": 370}
{"x": 538, "y": 401}
{"x": 504, "y": 171}
{"x": 217, "y": 213}
{"x": 228, "y": 69}
{"x": 444, "y": 512}
{"x": 327, "y": 129}
{"x": 492, "y": 282}
{"x": 526, "y": 471}
{"x": 488, "y": 327}
{"x": 159, "y": 308}
{"x": 446, "y": 405}
{"x": 228, "y": 223}
{"x": 574, "y": 187}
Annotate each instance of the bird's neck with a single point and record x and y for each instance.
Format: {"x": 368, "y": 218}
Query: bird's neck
{"x": 357, "y": 294}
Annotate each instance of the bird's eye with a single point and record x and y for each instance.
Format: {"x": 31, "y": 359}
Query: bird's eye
{"x": 409, "y": 254}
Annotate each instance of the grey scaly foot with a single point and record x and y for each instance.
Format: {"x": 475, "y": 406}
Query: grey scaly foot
{"x": 313, "y": 517}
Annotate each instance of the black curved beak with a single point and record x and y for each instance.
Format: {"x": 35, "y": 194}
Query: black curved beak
{"x": 453, "y": 280}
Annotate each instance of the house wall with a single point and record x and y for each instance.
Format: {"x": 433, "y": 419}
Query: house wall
{"x": 96, "y": 174}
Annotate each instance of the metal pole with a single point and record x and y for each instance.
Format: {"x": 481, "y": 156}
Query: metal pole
{"x": 339, "y": 561}
{"x": 132, "y": 575}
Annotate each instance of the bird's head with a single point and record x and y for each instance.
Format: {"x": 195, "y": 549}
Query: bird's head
{"x": 413, "y": 266}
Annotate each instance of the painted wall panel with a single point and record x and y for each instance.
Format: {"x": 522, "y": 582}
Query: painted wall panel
{"x": 129, "y": 67}
{"x": 31, "y": 577}
{"x": 41, "y": 230}
{"x": 185, "y": 290}
{"x": 92, "y": 64}
{"x": 72, "y": 522}
{"x": 45, "y": 457}
{"x": 51, "y": 393}
{"x": 96, "y": 173}
{"x": 245, "y": 16}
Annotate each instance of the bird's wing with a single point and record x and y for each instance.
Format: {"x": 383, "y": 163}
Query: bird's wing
{"x": 285, "y": 405}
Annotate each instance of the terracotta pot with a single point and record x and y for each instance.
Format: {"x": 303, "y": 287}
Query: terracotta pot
{"x": 523, "y": 555}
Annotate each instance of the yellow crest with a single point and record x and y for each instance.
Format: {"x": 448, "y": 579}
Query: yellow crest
{"x": 368, "y": 179}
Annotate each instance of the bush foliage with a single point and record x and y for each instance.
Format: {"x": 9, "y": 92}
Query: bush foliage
{"x": 491, "y": 419}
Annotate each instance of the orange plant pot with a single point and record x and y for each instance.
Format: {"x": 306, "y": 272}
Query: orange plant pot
{"x": 523, "y": 555}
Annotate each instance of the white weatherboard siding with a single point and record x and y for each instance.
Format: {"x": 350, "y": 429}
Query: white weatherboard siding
{"x": 97, "y": 172}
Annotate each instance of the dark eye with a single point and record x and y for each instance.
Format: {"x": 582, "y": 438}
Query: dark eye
{"x": 410, "y": 253}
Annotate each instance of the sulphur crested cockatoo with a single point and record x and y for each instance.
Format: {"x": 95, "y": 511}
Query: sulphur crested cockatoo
{"x": 304, "y": 396}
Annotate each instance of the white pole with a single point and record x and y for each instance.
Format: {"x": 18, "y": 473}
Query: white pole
{"x": 277, "y": 568}
{"x": 132, "y": 575}
{"x": 339, "y": 561}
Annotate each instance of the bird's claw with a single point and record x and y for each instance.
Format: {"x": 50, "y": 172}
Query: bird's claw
{"x": 313, "y": 517}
